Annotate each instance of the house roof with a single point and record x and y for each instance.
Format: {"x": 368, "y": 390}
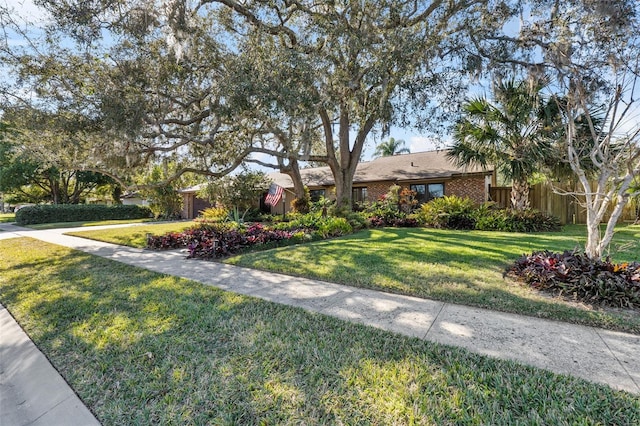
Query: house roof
{"x": 403, "y": 167}
{"x": 191, "y": 189}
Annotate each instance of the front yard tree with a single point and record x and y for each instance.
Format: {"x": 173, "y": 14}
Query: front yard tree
{"x": 591, "y": 50}
{"x": 41, "y": 159}
{"x": 510, "y": 133}
{"x": 239, "y": 192}
{"x": 123, "y": 67}
{"x": 365, "y": 61}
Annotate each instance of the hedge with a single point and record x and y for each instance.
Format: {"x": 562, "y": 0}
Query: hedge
{"x": 48, "y": 213}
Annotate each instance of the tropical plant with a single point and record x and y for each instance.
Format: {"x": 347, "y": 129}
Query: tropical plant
{"x": 391, "y": 147}
{"x": 450, "y": 212}
{"x": 575, "y": 276}
{"x": 215, "y": 214}
{"x": 302, "y": 204}
{"x": 512, "y": 134}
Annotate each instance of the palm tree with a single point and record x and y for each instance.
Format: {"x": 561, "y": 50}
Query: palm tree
{"x": 514, "y": 134}
{"x": 390, "y": 147}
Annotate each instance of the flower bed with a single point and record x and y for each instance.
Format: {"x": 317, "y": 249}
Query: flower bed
{"x": 573, "y": 275}
{"x": 212, "y": 241}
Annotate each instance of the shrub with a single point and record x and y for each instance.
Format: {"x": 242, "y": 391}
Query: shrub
{"x": 573, "y": 275}
{"x": 303, "y": 204}
{"x": 460, "y": 213}
{"x": 171, "y": 240}
{"x": 334, "y": 227}
{"x": 376, "y": 222}
{"x": 213, "y": 240}
{"x": 297, "y": 220}
{"x": 165, "y": 202}
{"x": 450, "y": 212}
{"x": 357, "y": 220}
{"x": 52, "y": 213}
{"x": 215, "y": 214}
{"x": 405, "y": 222}
{"x": 385, "y": 210}
{"x": 508, "y": 220}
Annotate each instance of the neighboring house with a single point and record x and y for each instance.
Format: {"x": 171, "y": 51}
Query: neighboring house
{"x": 134, "y": 198}
{"x": 192, "y": 205}
{"x": 430, "y": 174}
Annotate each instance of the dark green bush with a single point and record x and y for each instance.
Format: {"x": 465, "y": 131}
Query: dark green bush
{"x": 460, "y": 213}
{"x": 48, "y": 213}
{"x": 385, "y": 209}
{"x": 508, "y": 220}
{"x": 357, "y": 220}
{"x": 574, "y": 276}
{"x": 448, "y": 212}
{"x": 298, "y": 220}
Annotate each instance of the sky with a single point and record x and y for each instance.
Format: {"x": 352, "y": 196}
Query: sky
{"x": 26, "y": 8}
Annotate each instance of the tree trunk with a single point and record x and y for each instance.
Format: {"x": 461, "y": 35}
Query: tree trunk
{"x": 344, "y": 167}
{"x": 593, "y": 248}
{"x": 520, "y": 194}
{"x": 55, "y": 191}
{"x": 293, "y": 171}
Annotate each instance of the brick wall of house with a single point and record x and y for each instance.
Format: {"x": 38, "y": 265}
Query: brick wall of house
{"x": 471, "y": 187}
{"x": 375, "y": 190}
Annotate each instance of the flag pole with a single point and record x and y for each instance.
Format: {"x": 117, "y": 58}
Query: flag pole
{"x": 284, "y": 205}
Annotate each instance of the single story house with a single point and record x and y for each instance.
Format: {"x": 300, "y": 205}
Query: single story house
{"x": 430, "y": 174}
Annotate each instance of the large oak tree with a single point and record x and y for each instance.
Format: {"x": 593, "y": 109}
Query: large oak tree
{"x": 220, "y": 80}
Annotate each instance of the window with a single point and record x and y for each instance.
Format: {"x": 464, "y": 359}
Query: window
{"x": 359, "y": 195}
{"x": 435, "y": 190}
{"x": 425, "y": 192}
{"x": 315, "y": 194}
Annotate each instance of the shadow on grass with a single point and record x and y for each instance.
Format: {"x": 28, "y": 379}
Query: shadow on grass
{"x": 452, "y": 266}
{"x": 144, "y": 348}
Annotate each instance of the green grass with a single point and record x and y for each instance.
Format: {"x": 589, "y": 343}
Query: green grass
{"x": 58, "y": 225}
{"x": 135, "y": 236}
{"x": 454, "y": 266}
{"x": 7, "y": 217}
{"x": 145, "y": 348}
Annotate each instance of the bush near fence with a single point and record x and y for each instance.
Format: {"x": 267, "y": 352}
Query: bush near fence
{"x": 556, "y": 200}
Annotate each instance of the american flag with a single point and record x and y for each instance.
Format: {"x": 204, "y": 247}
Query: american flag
{"x": 274, "y": 195}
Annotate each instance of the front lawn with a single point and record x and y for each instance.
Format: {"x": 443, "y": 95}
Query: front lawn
{"x": 454, "y": 266}
{"x": 57, "y": 225}
{"x": 7, "y": 217}
{"x": 145, "y": 348}
{"x": 135, "y": 236}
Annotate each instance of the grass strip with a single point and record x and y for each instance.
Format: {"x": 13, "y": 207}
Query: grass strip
{"x": 7, "y": 217}
{"x": 145, "y": 348}
{"x": 58, "y": 225}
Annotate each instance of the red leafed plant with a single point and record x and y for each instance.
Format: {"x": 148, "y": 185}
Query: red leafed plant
{"x": 574, "y": 275}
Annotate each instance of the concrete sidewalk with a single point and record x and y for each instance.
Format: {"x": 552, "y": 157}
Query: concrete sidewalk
{"x": 593, "y": 354}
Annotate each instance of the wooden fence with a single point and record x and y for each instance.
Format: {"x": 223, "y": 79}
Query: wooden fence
{"x": 543, "y": 197}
